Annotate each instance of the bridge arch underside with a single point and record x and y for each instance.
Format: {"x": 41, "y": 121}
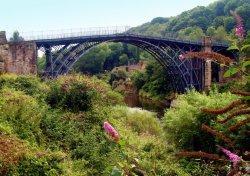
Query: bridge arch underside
{"x": 183, "y": 74}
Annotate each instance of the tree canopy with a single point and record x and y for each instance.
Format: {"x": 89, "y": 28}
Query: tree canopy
{"x": 212, "y": 20}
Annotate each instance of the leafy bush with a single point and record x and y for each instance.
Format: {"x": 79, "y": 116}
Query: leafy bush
{"x": 201, "y": 168}
{"x": 117, "y": 75}
{"x": 80, "y": 93}
{"x": 31, "y": 85}
{"x": 29, "y": 165}
{"x": 138, "y": 79}
{"x": 20, "y": 114}
{"x": 72, "y": 96}
{"x": 153, "y": 82}
{"x": 143, "y": 148}
{"x": 34, "y": 131}
{"x": 182, "y": 122}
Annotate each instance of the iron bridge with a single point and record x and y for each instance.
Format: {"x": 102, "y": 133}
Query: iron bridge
{"x": 64, "y": 49}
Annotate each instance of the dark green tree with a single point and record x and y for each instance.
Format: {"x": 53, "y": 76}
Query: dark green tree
{"x": 16, "y": 37}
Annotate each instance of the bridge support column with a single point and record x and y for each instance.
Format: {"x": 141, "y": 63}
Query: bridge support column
{"x": 48, "y": 56}
{"x": 207, "y": 44}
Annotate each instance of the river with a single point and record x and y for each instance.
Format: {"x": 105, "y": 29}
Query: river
{"x": 134, "y": 100}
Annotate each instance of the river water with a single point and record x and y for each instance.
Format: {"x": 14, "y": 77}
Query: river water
{"x": 134, "y": 100}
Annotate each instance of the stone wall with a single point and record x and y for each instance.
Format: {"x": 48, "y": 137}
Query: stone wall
{"x": 3, "y": 39}
{"x": 19, "y": 58}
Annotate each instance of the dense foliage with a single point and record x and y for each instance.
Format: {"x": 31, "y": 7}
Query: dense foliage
{"x": 153, "y": 82}
{"x": 214, "y": 20}
{"x": 55, "y": 128}
{"x": 209, "y": 131}
{"x": 57, "y": 138}
{"x": 105, "y": 57}
{"x": 183, "y": 121}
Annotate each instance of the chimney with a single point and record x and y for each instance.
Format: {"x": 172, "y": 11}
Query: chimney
{"x": 3, "y": 39}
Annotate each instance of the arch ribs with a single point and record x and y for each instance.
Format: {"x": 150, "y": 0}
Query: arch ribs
{"x": 61, "y": 56}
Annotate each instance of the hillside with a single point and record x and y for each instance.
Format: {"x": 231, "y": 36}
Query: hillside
{"x": 214, "y": 20}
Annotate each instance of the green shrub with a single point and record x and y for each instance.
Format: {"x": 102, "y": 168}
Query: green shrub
{"x": 31, "y": 85}
{"x": 94, "y": 148}
{"x": 182, "y": 122}
{"x": 62, "y": 130}
{"x": 81, "y": 93}
{"x": 143, "y": 147}
{"x": 202, "y": 168}
{"x": 140, "y": 121}
{"x": 117, "y": 75}
{"x": 138, "y": 79}
{"x": 71, "y": 96}
{"x": 47, "y": 165}
{"x": 21, "y": 114}
{"x": 73, "y": 123}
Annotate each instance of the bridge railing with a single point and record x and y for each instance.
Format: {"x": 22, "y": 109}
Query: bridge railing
{"x": 100, "y": 31}
{"x": 57, "y": 34}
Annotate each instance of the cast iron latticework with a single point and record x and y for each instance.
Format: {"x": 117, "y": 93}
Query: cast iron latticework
{"x": 62, "y": 53}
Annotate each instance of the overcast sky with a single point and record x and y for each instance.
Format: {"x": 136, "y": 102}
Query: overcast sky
{"x": 42, "y": 15}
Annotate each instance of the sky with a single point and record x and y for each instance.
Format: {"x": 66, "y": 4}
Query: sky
{"x": 43, "y": 15}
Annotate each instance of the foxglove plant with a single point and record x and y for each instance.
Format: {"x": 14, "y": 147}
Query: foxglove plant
{"x": 239, "y": 30}
{"x": 111, "y": 131}
{"x": 235, "y": 159}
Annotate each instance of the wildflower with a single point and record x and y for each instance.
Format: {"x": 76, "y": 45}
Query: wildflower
{"x": 111, "y": 131}
{"x": 181, "y": 57}
{"x": 235, "y": 159}
{"x": 239, "y": 30}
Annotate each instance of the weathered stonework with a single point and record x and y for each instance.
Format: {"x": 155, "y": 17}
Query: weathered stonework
{"x": 19, "y": 58}
{"x": 3, "y": 39}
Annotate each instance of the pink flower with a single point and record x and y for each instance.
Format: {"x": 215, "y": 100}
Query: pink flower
{"x": 239, "y": 30}
{"x": 181, "y": 57}
{"x": 235, "y": 159}
{"x": 111, "y": 131}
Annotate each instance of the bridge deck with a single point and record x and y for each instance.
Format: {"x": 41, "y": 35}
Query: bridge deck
{"x": 116, "y": 37}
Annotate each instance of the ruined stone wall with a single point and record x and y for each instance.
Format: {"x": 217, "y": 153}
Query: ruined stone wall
{"x": 3, "y": 39}
{"x": 19, "y": 58}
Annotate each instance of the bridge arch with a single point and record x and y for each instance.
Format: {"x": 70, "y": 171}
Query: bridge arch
{"x": 62, "y": 52}
{"x": 64, "y": 59}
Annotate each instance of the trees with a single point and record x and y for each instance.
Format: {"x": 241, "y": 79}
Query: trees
{"x": 229, "y": 23}
{"x": 159, "y": 20}
{"x": 106, "y": 57}
{"x": 16, "y": 37}
{"x": 123, "y": 59}
{"x": 219, "y": 8}
{"x": 93, "y": 61}
{"x": 192, "y": 33}
{"x": 220, "y": 34}
{"x": 216, "y": 15}
{"x": 211, "y": 31}
{"x": 153, "y": 81}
